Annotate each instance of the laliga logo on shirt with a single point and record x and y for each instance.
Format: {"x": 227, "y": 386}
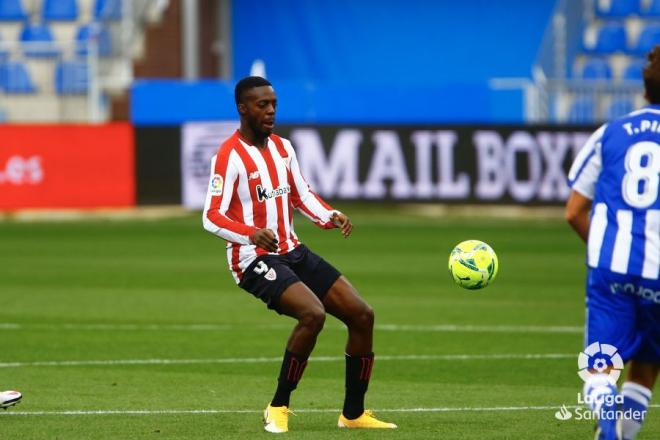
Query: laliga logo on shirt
{"x": 264, "y": 194}
{"x": 216, "y": 185}
{"x": 600, "y": 358}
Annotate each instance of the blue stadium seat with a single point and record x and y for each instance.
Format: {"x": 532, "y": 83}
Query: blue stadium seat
{"x": 4, "y": 53}
{"x": 91, "y": 31}
{"x": 650, "y": 9}
{"x": 596, "y": 68}
{"x": 38, "y": 33}
{"x": 71, "y": 78}
{"x": 611, "y": 38}
{"x": 15, "y": 78}
{"x": 618, "y": 107}
{"x": 634, "y": 69}
{"x": 108, "y": 10}
{"x": 12, "y": 10}
{"x": 617, "y": 8}
{"x": 648, "y": 38}
{"x": 582, "y": 110}
{"x": 60, "y": 10}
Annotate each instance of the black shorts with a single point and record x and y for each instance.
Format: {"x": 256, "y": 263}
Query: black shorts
{"x": 269, "y": 275}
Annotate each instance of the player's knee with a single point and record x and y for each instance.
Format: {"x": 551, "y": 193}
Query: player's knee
{"x": 643, "y": 373}
{"x": 313, "y": 319}
{"x": 364, "y": 319}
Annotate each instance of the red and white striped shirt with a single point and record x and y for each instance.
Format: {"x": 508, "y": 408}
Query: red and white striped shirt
{"x": 253, "y": 188}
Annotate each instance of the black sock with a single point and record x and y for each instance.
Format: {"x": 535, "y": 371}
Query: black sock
{"x": 358, "y": 372}
{"x": 292, "y": 369}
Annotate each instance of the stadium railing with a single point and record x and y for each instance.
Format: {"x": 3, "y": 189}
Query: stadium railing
{"x": 71, "y": 78}
{"x": 566, "y": 92}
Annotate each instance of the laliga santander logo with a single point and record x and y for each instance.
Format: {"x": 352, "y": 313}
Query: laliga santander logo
{"x": 597, "y": 358}
{"x": 600, "y": 358}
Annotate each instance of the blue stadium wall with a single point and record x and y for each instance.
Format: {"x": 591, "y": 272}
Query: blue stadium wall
{"x": 369, "y": 61}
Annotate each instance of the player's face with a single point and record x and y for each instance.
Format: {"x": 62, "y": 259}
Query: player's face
{"x": 259, "y": 109}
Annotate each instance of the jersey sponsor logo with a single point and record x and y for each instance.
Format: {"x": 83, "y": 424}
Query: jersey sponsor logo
{"x": 265, "y": 194}
{"x": 633, "y": 289}
{"x": 253, "y": 175}
{"x": 216, "y": 185}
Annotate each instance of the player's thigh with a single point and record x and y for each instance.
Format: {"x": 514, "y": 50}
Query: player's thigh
{"x": 649, "y": 327}
{"x": 267, "y": 278}
{"x": 314, "y": 271}
{"x": 299, "y": 301}
{"x": 345, "y": 303}
{"x": 611, "y": 317}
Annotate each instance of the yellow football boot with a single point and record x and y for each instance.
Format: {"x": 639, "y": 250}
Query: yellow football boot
{"x": 276, "y": 419}
{"x": 366, "y": 420}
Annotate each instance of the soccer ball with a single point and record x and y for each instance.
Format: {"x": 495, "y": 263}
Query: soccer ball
{"x": 473, "y": 264}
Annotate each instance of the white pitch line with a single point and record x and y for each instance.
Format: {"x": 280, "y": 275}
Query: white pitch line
{"x": 481, "y": 328}
{"x": 443, "y": 328}
{"x": 260, "y": 360}
{"x": 142, "y": 412}
{"x": 129, "y": 327}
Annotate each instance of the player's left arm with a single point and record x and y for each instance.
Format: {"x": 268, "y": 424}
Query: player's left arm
{"x": 342, "y": 221}
{"x": 577, "y": 212}
{"x": 310, "y": 204}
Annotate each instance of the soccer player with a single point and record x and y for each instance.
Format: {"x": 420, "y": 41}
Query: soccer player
{"x": 9, "y": 398}
{"x": 254, "y": 187}
{"x": 614, "y": 206}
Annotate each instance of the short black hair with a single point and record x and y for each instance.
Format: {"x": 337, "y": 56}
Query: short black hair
{"x": 651, "y": 74}
{"x": 247, "y": 83}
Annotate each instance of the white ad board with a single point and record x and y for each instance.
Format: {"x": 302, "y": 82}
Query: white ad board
{"x": 200, "y": 141}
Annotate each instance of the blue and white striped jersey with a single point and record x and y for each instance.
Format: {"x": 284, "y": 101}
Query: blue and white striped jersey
{"x": 619, "y": 169}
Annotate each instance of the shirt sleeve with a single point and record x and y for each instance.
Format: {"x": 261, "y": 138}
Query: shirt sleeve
{"x": 304, "y": 199}
{"x": 586, "y": 167}
{"x": 219, "y": 194}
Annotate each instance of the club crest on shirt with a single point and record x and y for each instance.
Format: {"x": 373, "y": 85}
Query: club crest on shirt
{"x": 215, "y": 187}
{"x": 271, "y": 275}
{"x": 265, "y": 194}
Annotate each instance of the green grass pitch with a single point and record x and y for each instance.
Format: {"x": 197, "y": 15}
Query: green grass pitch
{"x": 135, "y": 330}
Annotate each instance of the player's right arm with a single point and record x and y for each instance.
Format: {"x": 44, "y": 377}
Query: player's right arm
{"x": 582, "y": 179}
{"x": 222, "y": 183}
{"x": 577, "y": 212}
